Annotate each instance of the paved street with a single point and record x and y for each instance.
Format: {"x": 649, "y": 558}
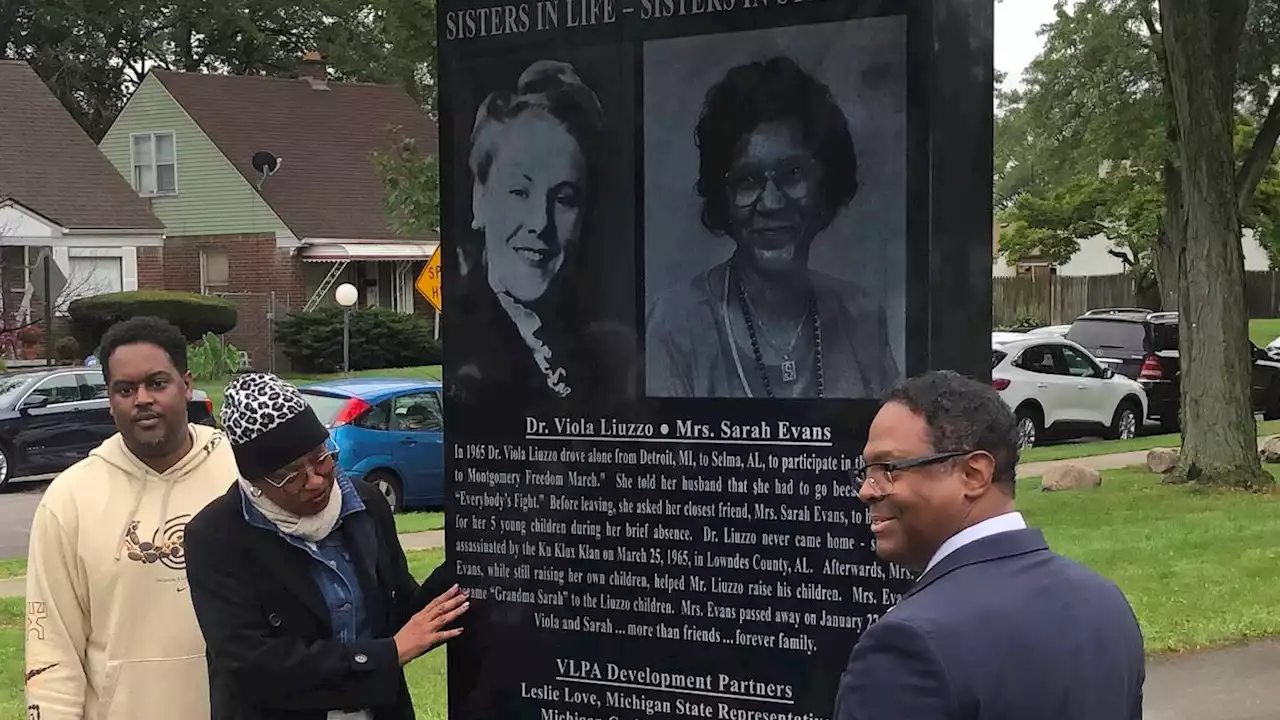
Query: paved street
{"x": 17, "y": 506}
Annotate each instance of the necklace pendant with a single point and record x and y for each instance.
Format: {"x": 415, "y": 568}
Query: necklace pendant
{"x": 789, "y": 374}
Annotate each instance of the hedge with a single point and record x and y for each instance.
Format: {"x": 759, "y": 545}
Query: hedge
{"x": 380, "y": 338}
{"x": 194, "y": 314}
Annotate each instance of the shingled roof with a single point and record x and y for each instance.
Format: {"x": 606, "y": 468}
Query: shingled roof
{"x": 327, "y": 185}
{"x": 51, "y": 167}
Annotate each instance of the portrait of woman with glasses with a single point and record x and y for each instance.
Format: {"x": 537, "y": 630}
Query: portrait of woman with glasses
{"x": 298, "y": 580}
{"x": 777, "y": 164}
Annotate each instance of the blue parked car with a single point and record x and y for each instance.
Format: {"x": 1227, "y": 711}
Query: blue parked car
{"x": 390, "y": 432}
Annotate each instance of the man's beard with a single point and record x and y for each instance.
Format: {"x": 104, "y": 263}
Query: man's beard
{"x": 153, "y": 447}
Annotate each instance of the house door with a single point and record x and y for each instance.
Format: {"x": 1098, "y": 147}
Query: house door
{"x": 402, "y": 287}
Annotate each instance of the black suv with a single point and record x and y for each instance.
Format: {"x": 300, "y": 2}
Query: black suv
{"x": 1143, "y": 345}
{"x": 51, "y": 418}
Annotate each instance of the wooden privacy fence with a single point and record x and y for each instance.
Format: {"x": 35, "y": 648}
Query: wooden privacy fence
{"x": 1058, "y": 300}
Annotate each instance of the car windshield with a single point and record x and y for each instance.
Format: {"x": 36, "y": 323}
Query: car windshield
{"x": 326, "y": 407}
{"x": 12, "y": 387}
{"x": 997, "y": 356}
{"x": 1108, "y": 335}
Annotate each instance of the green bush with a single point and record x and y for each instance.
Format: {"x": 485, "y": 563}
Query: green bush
{"x": 211, "y": 358}
{"x": 66, "y": 349}
{"x": 194, "y": 314}
{"x": 380, "y": 338}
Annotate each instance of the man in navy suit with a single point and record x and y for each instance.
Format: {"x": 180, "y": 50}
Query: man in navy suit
{"x": 998, "y": 626}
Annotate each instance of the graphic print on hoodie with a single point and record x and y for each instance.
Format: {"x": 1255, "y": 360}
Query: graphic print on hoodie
{"x": 111, "y": 634}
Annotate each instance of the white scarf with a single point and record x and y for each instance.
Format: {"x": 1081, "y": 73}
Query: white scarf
{"x": 311, "y": 528}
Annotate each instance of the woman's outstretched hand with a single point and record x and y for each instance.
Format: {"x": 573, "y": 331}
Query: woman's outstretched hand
{"x": 424, "y": 630}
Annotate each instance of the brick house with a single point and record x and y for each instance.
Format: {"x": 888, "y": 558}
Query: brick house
{"x": 278, "y": 241}
{"x": 59, "y": 195}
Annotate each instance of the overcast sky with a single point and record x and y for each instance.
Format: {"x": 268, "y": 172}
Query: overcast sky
{"x": 1017, "y": 22}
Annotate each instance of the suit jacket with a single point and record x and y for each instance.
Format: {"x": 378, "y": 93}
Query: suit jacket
{"x": 1001, "y": 629}
{"x": 270, "y": 646}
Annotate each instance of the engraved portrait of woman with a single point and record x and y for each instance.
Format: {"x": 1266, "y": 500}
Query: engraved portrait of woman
{"x": 776, "y": 165}
{"x": 534, "y": 156}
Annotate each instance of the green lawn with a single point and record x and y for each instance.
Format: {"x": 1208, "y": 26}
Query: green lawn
{"x": 422, "y": 372}
{"x": 419, "y": 522}
{"x": 12, "y": 662}
{"x": 1067, "y": 451}
{"x": 13, "y": 567}
{"x": 1263, "y": 330}
{"x": 426, "y": 675}
{"x": 1200, "y": 568}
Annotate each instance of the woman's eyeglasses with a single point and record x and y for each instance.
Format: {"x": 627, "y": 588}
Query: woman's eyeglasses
{"x": 880, "y": 475}
{"x": 746, "y": 185}
{"x": 323, "y": 464}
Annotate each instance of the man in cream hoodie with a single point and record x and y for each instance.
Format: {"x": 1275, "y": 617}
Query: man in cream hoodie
{"x": 111, "y": 634}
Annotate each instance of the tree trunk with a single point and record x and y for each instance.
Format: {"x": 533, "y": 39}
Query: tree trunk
{"x": 1200, "y": 40}
{"x": 1171, "y": 246}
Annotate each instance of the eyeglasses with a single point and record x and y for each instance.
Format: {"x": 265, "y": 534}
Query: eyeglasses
{"x": 880, "y": 475}
{"x": 324, "y": 464}
{"x": 793, "y": 179}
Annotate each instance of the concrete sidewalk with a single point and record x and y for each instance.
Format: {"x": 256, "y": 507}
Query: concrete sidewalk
{"x": 1237, "y": 683}
{"x": 1099, "y": 462}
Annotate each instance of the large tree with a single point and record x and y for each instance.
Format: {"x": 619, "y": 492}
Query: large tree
{"x": 1100, "y": 142}
{"x": 1081, "y": 150}
{"x": 93, "y": 53}
{"x": 1200, "y": 46}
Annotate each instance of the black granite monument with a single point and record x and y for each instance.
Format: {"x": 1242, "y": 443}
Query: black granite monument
{"x": 689, "y": 244}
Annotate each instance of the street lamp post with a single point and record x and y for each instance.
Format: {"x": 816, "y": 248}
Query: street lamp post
{"x": 346, "y": 295}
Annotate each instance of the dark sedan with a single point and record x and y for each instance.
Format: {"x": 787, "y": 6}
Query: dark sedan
{"x": 51, "y": 419}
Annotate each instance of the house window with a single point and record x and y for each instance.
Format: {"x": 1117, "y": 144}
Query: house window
{"x": 155, "y": 164}
{"x": 94, "y": 276}
{"x": 215, "y": 271}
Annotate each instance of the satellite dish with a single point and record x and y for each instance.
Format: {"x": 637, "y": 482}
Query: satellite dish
{"x": 267, "y": 164}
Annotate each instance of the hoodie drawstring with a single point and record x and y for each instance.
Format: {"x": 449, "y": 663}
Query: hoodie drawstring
{"x": 164, "y": 512}
{"x": 176, "y": 471}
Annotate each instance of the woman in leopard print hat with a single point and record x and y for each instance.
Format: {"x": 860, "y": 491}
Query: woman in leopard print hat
{"x": 297, "y": 576}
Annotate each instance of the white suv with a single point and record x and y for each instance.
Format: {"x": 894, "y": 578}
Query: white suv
{"x": 1054, "y": 385}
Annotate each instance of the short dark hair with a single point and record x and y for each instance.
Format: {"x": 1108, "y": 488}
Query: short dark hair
{"x": 964, "y": 415}
{"x": 144, "y": 329}
{"x": 768, "y": 91}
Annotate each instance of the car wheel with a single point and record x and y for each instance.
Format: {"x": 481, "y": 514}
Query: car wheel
{"x": 1028, "y": 428}
{"x": 1126, "y": 423}
{"x": 389, "y": 486}
{"x": 5, "y": 468}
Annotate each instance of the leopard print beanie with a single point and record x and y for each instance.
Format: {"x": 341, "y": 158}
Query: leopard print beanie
{"x": 269, "y": 424}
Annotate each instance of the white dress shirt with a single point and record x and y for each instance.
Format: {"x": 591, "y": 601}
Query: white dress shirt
{"x": 992, "y": 526}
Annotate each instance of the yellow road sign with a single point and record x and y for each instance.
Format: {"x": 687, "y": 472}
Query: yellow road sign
{"x": 428, "y": 282}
